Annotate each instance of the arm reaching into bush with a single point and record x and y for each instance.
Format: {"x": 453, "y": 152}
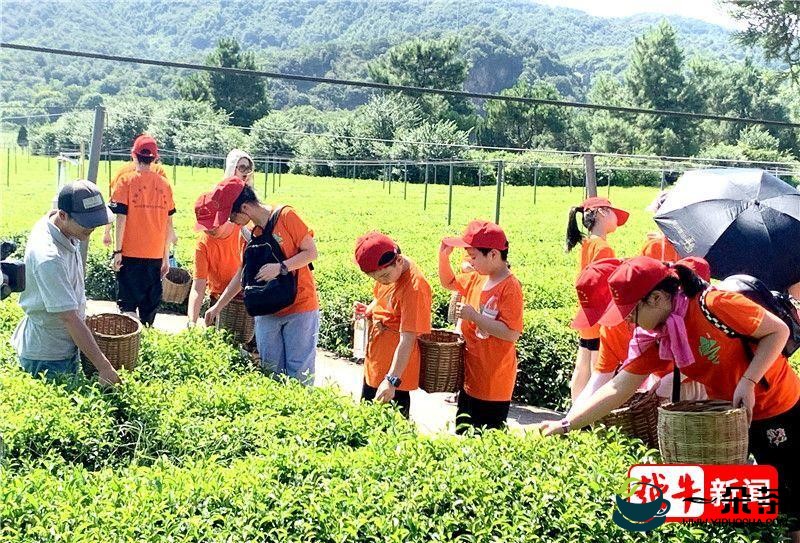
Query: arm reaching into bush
{"x": 596, "y": 382}
{"x": 610, "y": 396}
{"x": 233, "y": 288}
{"x": 196, "y": 299}
{"x": 85, "y": 342}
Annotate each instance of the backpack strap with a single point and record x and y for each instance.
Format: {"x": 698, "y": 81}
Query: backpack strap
{"x": 273, "y": 220}
{"x": 710, "y": 317}
{"x": 727, "y": 330}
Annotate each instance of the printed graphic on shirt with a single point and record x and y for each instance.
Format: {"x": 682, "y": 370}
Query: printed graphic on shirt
{"x": 709, "y": 348}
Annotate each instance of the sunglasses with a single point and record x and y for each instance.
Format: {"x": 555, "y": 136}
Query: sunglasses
{"x": 244, "y": 168}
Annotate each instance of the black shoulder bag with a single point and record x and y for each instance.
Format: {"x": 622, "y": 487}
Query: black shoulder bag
{"x": 260, "y": 297}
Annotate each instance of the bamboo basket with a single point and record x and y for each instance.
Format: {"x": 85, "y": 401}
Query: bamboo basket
{"x": 442, "y": 361}
{"x": 638, "y": 417}
{"x": 118, "y": 337}
{"x": 235, "y": 319}
{"x": 702, "y": 432}
{"x": 176, "y": 286}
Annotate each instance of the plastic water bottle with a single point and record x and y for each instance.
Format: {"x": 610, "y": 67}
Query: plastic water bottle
{"x": 360, "y": 336}
{"x": 489, "y": 310}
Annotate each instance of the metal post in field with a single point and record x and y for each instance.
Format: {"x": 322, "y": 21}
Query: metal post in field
{"x": 425, "y": 197}
{"x": 94, "y": 163}
{"x": 535, "y": 180}
{"x": 405, "y": 181}
{"x": 266, "y": 177}
{"x": 499, "y": 192}
{"x": 450, "y": 196}
{"x": 591, "y": 175}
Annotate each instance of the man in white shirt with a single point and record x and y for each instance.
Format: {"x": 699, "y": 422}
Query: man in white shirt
{"x": 53, "y": 333}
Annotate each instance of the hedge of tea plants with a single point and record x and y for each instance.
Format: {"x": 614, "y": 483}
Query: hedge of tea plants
{"x": 196, "y": 446}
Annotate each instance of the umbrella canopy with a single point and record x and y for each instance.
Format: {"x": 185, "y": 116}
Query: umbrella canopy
{"x": 740, "y": 220}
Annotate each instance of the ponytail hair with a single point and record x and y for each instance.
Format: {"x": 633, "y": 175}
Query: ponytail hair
{"x": 691, "y": 283}
{"x": 574, "y": 235}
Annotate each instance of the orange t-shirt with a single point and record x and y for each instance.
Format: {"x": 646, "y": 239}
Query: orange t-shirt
{"x": 490, "y": 365}
{"x": 290, "y": 231}
{"x": 720, "y": 361}
{"x": 403, "y": 306}
{"x": 614, "y": 342}
{"x": 660, "y": 248}
{"x": 131, "y": 167}
{"x": 146, "y": 199}
{"x": 593, "y": 249}
{"x": 218, "y": 259}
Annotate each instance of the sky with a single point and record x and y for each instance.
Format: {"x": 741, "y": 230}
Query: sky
{"x": 710, "y": 11}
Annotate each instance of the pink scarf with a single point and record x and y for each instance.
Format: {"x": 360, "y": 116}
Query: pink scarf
{"x": 671, "y": 337}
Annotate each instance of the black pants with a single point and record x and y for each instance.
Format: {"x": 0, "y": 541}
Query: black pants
{"x": 776, "y": 442}
{"x": 139, "y": 287}
{"x": 402, "y": 398}
{"x": 480, "y": 414}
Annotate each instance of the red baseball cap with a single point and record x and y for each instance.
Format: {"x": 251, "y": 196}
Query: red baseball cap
{"x": 630, "y": 283}
{"x": 371, "y": 247}
{"x": 698, "y": 265}
{"x": 480, "y": 235}
{"x": 596, "y": 202}
{"x": 219, "y": 203}
{"x": 594, "y": 295}
{"x": 146, "y": 146}
{"x": 206, "y": 212}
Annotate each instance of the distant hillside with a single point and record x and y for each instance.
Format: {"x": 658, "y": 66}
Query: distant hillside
{"x": 503, "y": 39}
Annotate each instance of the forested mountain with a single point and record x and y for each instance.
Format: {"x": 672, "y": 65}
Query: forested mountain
{"x": 501, "y": 39}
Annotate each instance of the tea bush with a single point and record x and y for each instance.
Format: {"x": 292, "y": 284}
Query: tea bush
{"x": 196, "y": 446}
{"x": 411, "y": 489}
{"x": 241, "y": 415}
{"x": 71, "y": 419}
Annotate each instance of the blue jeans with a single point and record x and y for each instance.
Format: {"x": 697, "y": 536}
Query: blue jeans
{"x": 67, "y": 366}
{"x": 288, "y": 345}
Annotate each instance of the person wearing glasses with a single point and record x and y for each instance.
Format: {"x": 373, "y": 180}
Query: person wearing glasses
{"x": 239, "y": 164}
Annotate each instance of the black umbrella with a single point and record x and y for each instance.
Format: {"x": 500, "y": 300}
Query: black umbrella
{"x": 740, "y": 220}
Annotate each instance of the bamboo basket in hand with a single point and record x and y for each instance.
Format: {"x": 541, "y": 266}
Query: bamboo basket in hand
{"x": 235, "y": 319}
{"x": 702, "y": 432}
{"x": 118, "y": 337}
{"x": 176, "y": 285}
{"x": 638, "y": 417}
{"x": 442, "y": 361}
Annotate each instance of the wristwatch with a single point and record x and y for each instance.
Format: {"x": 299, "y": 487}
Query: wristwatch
{"x": 394, "y": 381}
{"x": 565, "y": 425}
{"x": 284, "y": 269}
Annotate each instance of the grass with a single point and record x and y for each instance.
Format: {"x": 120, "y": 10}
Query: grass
{"x": 339, "y": 210}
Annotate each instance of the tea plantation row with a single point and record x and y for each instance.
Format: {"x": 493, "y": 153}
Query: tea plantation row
{"x": 196, "y": 446}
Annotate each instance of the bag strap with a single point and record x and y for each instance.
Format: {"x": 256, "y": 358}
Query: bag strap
{"x": 710, "y": 317}
{"x": 676, "y": 383}
{"x": 273, "y": 220}
{"x": 727, "y": 330}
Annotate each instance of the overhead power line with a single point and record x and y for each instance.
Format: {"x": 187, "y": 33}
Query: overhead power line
{"x": 398, "y": 88}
